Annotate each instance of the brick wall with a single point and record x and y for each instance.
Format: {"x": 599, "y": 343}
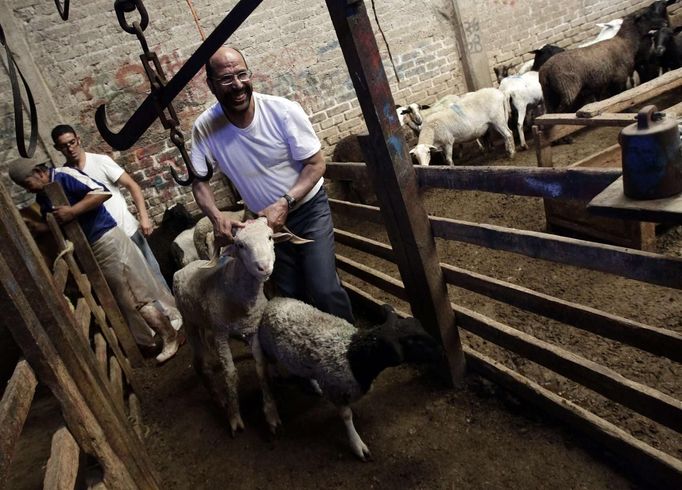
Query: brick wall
{"x": 291, "y": 47}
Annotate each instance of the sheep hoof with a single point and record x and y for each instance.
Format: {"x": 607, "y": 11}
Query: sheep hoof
{"x": 274, "y": 422}
{"x": 274, "y": 425}
{"x": 523, "y": 147}
{"x": 236, "y": 424}
{"x": 363, "y": 453}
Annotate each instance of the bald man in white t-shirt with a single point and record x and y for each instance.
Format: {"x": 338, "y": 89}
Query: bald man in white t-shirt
{"x": 267, "y": 147}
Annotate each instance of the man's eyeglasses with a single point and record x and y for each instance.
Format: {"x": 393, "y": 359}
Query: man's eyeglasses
{"x": 227, "y": 80}
{"x": 67, "y": 145}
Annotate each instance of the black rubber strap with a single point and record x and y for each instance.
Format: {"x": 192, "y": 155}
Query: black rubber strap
{"x": 63, "y": 11}
{"x": 12, "y": 69}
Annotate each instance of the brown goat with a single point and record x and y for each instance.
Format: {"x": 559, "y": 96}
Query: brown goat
{"x": 573, "y": 78}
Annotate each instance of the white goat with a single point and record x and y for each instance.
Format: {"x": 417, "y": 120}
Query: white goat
{"x": 342, "y": 359}
{"x": 466, "y": 119}
{"x": 522, "y": 92}
{"x": 224, "y": 298}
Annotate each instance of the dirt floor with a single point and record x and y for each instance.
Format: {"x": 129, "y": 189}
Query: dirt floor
{"x": 422, "y": 434}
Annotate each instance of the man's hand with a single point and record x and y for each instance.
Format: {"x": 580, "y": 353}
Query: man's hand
{"x": 276, "y": 213}
{"x": 146, "y": 226}
{"x": 63, "y": 214}
{"x": 222, "y": 229}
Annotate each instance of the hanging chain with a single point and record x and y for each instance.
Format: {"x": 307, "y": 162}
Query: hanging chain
{"x": 12, "y": 70}
{"x": 157, "y": 81}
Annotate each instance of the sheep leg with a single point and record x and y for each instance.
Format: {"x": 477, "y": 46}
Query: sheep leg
{"x": 230, "y": 372}
{"x": 448, "y": 154}
{"x": 161, "y": 325}
{"x": 356, "y": 444}
{"x": 521, "y": 116}
{"x": 269, "y": 406}
{"x": 506, "y": 133}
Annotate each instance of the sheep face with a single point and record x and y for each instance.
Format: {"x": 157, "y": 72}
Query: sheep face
{"x": 254, "y": 245}
{"x": 410, "y": 342}
{"x": 423, "y": 153}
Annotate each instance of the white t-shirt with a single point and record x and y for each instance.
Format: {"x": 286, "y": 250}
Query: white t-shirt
{"x": 106, "y": 171}
{"x": 263, "y": 160}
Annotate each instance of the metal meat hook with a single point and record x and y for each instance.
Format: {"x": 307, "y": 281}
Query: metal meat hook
{"x": 179, "y": 141}
{"x": 148, "y": 111}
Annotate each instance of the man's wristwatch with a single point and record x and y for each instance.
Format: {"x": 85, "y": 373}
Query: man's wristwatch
{"x": 291, "y": 202}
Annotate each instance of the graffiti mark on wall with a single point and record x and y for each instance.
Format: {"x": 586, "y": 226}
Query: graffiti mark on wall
{"x": 472, "y": 31}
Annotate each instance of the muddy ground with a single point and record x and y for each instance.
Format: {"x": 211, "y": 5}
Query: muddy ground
{"x": 422, "y": 434}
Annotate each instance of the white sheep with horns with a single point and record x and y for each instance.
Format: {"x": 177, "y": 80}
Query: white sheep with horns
{"x": 224, "y": 298}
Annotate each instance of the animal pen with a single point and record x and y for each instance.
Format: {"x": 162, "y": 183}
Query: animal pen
{"x": 86, "y": 357}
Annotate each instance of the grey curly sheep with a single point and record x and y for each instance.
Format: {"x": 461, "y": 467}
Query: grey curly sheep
{"x": 342, "y": 359}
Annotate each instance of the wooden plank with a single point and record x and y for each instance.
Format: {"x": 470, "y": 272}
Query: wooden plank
{"x": 658, "y": 341}
{"x": 613, "y": 203}
{"x": 135, "y": 414}
{"x": 642, "y": 399}
{"x": 46, "y": 332}
{"x": 634, "y": 96}
{"x": 62, "y": 467}
{"x": 116, "y": 381}
{"x": 14, "y": 408}
{"x": 633, "y": 264}
{"x": 358, "y": 211}
{"x": 390, "y": 169}
{"x": 60, "y": 274}
{"x": 101, "y": 353}
{"x": 543, "y": 148}
{"x": 601, "y": 120}
{"x": 372, "y": 276}
{"x": 85, "y": 289}
{"x": 607, "y": 158}
{"x": 560, "y": 183}
{"x": 363, "y": 244}
{"x": 655, "y": 467}
{"x": 96, "y": 278}
{"x": 83, "y": 316}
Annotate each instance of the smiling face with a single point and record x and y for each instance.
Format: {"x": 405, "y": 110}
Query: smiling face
{"x": 234, "y": 98}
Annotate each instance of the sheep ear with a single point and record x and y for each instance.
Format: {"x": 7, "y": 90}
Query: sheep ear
{"x": 389, "y": 314}
{"x": 288, "y": 236}
{"x": 412, "y": 152}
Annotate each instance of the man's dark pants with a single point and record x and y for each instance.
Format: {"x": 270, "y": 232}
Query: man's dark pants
{"x": 308, "y": 272}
